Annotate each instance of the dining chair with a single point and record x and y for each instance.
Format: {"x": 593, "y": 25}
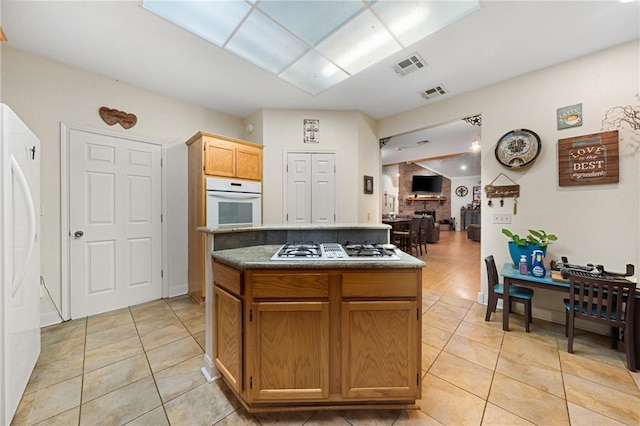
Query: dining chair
{"x": 604, "y": 301}
{"x": 410, "y": 238}
{"x": 424, "y": 223}
{"x": 516, "y": 294}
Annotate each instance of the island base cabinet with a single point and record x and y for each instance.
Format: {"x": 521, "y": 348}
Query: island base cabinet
{"x": 314, "y": 338}
{"x": 379, "y": 350}
{"x": 290, "y": 356}
{"x": 228, "y": 337}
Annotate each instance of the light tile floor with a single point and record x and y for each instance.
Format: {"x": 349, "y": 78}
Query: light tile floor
{"x": 141, "y": 366}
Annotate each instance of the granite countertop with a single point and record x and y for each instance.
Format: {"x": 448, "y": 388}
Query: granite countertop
{"x": 258, "y": 257}
{"x": 290, "y": 227}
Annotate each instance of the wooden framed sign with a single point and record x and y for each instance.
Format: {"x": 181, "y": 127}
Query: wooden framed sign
{"x": 502, "y": 191}
{"x": 589, "y": 159}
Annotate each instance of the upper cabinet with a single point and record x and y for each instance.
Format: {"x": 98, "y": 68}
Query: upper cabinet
{"x": 229, "y": 157}
{"x": 213, "y": 155}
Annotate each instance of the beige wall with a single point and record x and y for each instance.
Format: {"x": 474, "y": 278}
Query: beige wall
{"x": 347, "y": 133}
{"x": 597, "y": 224}
{"x": 46, "y": 93}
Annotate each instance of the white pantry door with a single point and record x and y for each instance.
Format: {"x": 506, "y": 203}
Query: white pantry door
{"x": 311, "y": 188}
{"x": 115, "y": 247}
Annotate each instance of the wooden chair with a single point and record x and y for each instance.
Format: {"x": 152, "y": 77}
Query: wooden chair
{"x": 609, "y": 302}
{"x": 409, "y": 239}
{"x": 424, "y": 223}
{"x": 496, "y": 291}
{"x": 432, "y": 230}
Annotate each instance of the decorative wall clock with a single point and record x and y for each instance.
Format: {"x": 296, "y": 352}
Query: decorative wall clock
{"x": 461, "y": 191}
{"x": 518, "y": 148}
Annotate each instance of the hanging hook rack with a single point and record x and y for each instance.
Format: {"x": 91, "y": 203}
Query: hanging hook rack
{"x": 502, "y": 191}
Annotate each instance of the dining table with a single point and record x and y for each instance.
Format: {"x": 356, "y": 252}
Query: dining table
{"x": 397, "y": 223}
{"x": 511, "y": 275}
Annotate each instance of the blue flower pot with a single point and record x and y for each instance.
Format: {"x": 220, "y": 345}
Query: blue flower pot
{"x": 516, "y": 251}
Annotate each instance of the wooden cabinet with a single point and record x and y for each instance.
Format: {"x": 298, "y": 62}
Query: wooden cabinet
{"x": 385, "y": 366}
{"x": 386, "y": 307}
{"x": 232, "y": 159}
{"x": 228, "y": 337}
{"x": 213, "y": 155}
{"x": 469, "y": 217}
{"x": 290, "y": 351}
{"x": 340, "y": 338}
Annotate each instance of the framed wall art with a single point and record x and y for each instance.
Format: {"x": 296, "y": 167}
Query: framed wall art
{"x": 368, "y": 184}
{"x": 311, "y": 130}
{"x": 589, "y": 159}
{"x": 569, "y": 116}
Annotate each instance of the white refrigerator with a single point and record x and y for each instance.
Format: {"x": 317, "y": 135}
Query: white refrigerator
{"x": 19, "y": 259}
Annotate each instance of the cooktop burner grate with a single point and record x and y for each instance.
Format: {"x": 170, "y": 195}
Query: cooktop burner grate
{"x": 308, "y": 250}
{"x": 334, "y": 251}
{"x": 366, "y": 249}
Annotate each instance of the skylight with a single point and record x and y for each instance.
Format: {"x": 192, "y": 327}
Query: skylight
{"x": 313, "y": 45}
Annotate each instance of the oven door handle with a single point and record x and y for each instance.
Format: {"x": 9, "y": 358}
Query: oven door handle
{"x": 233, "y": 195}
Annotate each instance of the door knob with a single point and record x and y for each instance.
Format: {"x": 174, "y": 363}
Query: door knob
{"x": 79, "y": 234}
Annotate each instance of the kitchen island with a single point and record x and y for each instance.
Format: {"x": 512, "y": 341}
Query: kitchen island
{"x": 312, "y": 334}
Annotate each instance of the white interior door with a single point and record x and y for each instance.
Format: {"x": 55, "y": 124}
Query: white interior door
{"x": 115, "y": 241}
{"x": 310, "y": 188}
{"x": 298, "y": 188}
{"x": 323, "y": 197}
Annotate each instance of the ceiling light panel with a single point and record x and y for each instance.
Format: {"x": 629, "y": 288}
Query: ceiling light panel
{"x": 411, "y": 21}
{"x": 312, "y": 44}
{"x": 312, "y": 21}
{"x": 359, "y": 44}
{"x": 266, "y": 44}
{"x": 313, "y": 73}
{"x": 214, "y": 21}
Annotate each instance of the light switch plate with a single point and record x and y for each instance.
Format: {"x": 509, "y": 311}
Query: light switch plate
{"x": 502, "y": 218}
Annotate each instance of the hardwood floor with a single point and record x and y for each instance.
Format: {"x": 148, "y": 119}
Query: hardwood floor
{"x": 453, "y": 266}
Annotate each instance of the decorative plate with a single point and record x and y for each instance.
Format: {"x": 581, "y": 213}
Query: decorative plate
{"x": 461, "y": 191}
{"x": 518, "y": 148}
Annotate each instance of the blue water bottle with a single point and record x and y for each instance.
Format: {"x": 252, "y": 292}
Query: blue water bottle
{"x": 537, "y": 266}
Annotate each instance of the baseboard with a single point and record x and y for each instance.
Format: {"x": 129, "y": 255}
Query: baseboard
{"x": 555, "y": 317}
{"x": 49, "y": 318}
{"x": 178, "y": 290}
{"x": 209, "y": 370}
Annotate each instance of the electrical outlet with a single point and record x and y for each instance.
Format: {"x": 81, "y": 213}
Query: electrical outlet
{"x": 502, "y": 218}
{"x": 368, "y": 216}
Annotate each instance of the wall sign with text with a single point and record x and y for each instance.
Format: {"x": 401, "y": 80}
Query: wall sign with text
{"x": 589, "y": 159}
{"x": 569, "y": 116}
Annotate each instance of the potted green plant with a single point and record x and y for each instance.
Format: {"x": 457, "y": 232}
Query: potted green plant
{"x": 535, "y": 240}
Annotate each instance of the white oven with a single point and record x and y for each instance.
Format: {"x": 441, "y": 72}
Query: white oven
{"x": 233, "y": 203}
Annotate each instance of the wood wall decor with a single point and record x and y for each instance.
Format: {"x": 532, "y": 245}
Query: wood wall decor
{"x": 502, "y": 191}
{"x": 589, "y": 159}
{"x": 113, "y": 116}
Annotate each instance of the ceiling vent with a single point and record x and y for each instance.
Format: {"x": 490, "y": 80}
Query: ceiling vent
{"x": 434, "y": 92}
{"x": 408, "y": 65}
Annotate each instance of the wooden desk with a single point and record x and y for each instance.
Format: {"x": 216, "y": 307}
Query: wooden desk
{"x": 511, "y": 275}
